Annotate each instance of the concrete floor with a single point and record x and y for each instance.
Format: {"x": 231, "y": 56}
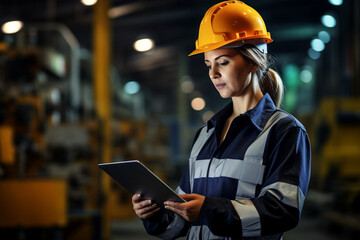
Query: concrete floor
{"x": 308, "y": 229}
{"x": 311, "y": 229}
{"x": 129, "y": 230}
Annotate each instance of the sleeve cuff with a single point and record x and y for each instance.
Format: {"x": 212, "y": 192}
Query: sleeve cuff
{"x": 220, "y": 216}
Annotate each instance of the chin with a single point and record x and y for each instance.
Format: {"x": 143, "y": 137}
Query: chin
{"x": 224, "y": 96}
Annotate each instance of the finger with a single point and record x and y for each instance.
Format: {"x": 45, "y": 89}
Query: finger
{"x": 174, "y": 209}
{"x": 150, "y": 213}
{"x": 189, "y": 197}
{"x": 149, "y": 210}
{"x": 142, "y": 204}
{"x": 173, "y": 204}
{"x": 178, "y": 211}
{"x": 136, "y": 198}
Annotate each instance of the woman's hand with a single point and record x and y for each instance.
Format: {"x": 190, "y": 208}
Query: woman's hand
{"x": 144, "y": 208}
{"x": 189, "y": 210}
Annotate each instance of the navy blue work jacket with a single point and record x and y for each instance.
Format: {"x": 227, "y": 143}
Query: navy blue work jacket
{"x": 255, "y": 186}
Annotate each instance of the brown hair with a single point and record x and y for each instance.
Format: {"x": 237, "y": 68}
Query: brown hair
{"x": 269, "y": 80}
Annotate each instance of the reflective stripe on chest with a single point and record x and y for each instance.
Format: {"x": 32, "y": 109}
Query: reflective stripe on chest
{"x": 248, "y": 171}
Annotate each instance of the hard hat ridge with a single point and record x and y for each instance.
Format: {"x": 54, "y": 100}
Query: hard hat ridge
{"x": 229, "y": 24}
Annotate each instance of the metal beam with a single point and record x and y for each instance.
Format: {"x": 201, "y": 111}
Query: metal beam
{"x": 101, "y": 63}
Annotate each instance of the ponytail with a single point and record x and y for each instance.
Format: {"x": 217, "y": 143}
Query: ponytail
{"x": 272, "y": 84}
{"x": 269, "y": 80}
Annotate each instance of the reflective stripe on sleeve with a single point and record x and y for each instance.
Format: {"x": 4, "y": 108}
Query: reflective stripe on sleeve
{"x": 250, "y": 218}
{"x": 174, "y": 228}
{"x": 288, "y": 194}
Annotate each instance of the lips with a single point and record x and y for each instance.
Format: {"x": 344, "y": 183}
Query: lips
{"x": 219, "y": 86}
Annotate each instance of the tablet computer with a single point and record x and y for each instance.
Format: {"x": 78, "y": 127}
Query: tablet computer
{"x": 137, "y": 178}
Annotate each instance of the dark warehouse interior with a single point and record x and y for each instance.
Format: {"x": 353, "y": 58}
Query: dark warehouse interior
{"x": 75, "y": 92}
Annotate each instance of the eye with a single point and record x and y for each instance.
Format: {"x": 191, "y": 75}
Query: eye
{"x": 224, "y": 63}
{"x": 208, "y": 67}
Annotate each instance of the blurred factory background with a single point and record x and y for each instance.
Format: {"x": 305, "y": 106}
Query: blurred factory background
{"x": 84, "y": 82}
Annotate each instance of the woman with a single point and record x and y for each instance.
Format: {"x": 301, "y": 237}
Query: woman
{"x": 249, "y": 167}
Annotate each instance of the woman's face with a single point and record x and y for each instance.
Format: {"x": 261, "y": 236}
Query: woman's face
{"x": 229, "y": 72}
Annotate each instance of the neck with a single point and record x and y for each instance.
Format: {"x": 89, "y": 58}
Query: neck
{"x": 248, "y": 100}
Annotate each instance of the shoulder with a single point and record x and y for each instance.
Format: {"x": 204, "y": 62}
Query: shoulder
{"x": 288, "y": 134}
{"x": 288, "y": 122}
{"x": 202, "y": 129}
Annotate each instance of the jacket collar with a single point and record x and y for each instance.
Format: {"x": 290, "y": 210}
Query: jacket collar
{"x": 258, "y": 115}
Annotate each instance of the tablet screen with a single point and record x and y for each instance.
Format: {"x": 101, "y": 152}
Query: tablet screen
{"x": 137, "y": 178}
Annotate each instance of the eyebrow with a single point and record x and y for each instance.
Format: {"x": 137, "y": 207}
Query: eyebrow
{"x": 225, "y": 55}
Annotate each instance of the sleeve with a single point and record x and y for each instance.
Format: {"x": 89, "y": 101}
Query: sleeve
{"x": 166, "y": 224}
{"x": 279, "y": 200}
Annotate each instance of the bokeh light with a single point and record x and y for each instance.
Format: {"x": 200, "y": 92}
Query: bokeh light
{"x": 89, "y": 2}
{"x": 328, "y": 21}
{"x": 143, "y": 45}
{"x": 317, "y": 45}
{"x": 336, "y": 2}
{"x": 132, "y": 87}
{"x": 324, "y": 36}
{"x": 12, "y": 27}
{"x": 198, "y": 104}
{"x": 313, "y": 54}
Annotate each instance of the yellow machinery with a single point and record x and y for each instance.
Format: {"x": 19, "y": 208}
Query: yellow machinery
{"x": 336, "y": 159}
{"x": 7, "y": 148}
{"x": 337, "y": 143}
{"x": 33, "y": 203}
{"x": 38, "y": 192}
{"x": 83, "y": 197}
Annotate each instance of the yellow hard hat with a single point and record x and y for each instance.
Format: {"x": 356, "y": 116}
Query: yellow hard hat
{"x": 231, "y": 24}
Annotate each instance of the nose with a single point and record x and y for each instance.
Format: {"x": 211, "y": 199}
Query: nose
{"x": 214, "y": 73}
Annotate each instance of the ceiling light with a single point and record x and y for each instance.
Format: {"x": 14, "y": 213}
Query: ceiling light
{"x": 336, "y": 2}
{"x": 89, "y": 2}
{"x": 12, "y": 27}
{"x": 143, "y": 45}
{"x": 317, "y": 45}
{"x": 328, "y": 21}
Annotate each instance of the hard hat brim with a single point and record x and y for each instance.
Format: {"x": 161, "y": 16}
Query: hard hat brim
{"x": 260, "y": 43}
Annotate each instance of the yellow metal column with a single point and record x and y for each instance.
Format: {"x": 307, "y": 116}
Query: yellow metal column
{"x": 101, "y": 63}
